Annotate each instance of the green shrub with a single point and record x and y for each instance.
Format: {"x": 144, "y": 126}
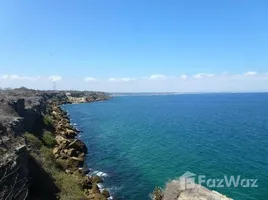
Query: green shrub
{"x": 48, "y": 121}
{"x": 61, "y": 164}
{"x": 33, "y": 141}
{"x": 49, "y": 139}
{"x": 48, "y": 157}
{"x": 69, "y": 186}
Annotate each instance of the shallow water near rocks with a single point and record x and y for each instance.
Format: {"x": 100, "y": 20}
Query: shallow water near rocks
{"x": 139, "y": 142}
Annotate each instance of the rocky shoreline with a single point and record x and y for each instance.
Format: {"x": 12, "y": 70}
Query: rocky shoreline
{"x": 72, "y": 151}
{"x": 40, "y": 155}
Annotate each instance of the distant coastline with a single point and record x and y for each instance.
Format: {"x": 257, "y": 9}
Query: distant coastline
{"x": 176, "y": 93}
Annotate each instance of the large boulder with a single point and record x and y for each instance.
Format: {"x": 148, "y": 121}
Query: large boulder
{"x": 78, "y": 145}
{"x": 75, "y": 162}
{"x": 72, "y": 152}
{"x": 70, "y": 132}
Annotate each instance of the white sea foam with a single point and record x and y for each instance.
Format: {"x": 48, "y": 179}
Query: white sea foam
{"x": 101, "y": 174}
{"x": 100, "y": 186}
{"x": 114, "y": 189}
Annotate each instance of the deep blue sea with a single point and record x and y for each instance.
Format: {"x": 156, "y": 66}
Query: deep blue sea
{"x": 144, "y": 141}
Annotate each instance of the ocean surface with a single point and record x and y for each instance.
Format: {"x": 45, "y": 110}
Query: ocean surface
{"x": 138, "y": 142}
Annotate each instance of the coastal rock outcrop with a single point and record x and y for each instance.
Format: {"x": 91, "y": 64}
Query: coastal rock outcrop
{"x": 31, "y": 123}
{"x": 176, "y": 190}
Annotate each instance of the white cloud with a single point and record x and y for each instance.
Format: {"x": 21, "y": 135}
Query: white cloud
{"x": 5, "y": 77}
{"x": 200, "y": 82}
{"x": 251, "y": 73}
{"x": 203, "y": 75}
{"x": 90, "y": 79}
{"x": 55, "y": 78}
{"x": 112, "y": 79}
{"x": 16, "y": 77}
{"x": 158, "y": 77}
{"x": 121, "y": 79}
{"x": 127, "y": 79}
{"x": 184, "y": 77}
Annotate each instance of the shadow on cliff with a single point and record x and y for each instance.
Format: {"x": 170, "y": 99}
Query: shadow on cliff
{"x": 42, "y": 186}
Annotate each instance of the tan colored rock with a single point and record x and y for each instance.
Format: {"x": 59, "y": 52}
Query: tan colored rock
{"x": 54, "y": 113}
{"x": 65, "y": 151}
{"x": 57, "y": 156}
{"x": 63, "y": 155}
{"x": 56, "y": 150}
{"x": 78, "y": 145}
{"x": 96, "y": 179}
{"x": 70, "y": 132}
{"x": 74, "y": 162}
{"x": 60, "y": 139}
{"x": 106, "y": 193}
{"x": 176, "y": 190}
{"x": 72, "y": 153}
{"x": 95, "y": 188}
{"x": 77, "y": 158}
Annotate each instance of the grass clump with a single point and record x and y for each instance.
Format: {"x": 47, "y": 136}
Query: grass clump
{"x": 48, "y": 158}
{"x": 48, "y": 121}
{"x": 69, "y": 186}
{"x": 49, "y": 139}
{"x": 33, "y": 141}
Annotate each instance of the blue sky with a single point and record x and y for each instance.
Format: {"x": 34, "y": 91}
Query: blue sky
{"x": 141, "y": 45}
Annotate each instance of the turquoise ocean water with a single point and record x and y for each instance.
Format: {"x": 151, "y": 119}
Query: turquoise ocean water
{"x": 139, "y": 142}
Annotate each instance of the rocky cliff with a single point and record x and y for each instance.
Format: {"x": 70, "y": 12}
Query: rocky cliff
{"x": 176, "y": 190}
{"x": 40, "y": 155}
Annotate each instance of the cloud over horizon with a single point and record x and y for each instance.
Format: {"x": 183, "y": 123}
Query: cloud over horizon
{"x": 55, "y": 78}
{"x": 16, "y": 77}
{"x": 158, "y": 77}
{"x": 121, "y": 79}
{"x": 90, "y": 79}
{"x": 250, "y": 81}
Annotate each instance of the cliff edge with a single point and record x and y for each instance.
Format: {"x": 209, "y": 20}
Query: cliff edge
{"x": 41, "y": 158}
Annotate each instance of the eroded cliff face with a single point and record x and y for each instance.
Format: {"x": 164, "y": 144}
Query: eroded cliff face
{"x": 21, "y": 111}
{"x": 13, "y": 162}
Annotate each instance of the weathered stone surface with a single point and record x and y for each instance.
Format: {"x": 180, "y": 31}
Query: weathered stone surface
{"x": 85, "y": 182}
{"x": 96, "y": 179}
{"x": 78, "y": 145}
{"x": 56, "y": 150}
{"x": 95, "y": 188}
{"x": 23, "y": 110}
{"x": 175, "y": 191}
{"x": 106, "y": 193}
{"x": 74, "y": 162}
{"x": 72, "y": 153}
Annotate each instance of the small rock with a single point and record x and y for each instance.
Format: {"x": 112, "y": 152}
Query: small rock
{"x": 96, "y": 179}
{"x": 72, "y": 153}
{"x": 106, "y": 193}
{"x": 95, "y": 188}
{"x": 56, "y": 150}
{"x": 85, "y": 170}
